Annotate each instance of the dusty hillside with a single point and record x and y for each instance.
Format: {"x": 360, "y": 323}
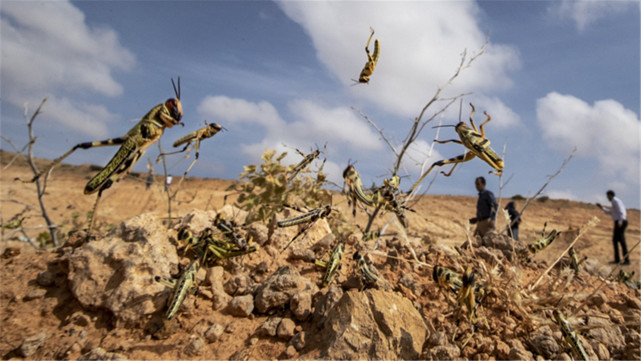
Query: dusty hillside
{"x": 79, "y": 301}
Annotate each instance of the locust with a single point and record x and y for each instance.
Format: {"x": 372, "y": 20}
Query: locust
{"x": 470, "y": 296}
{"x": 307, "y": 160}
{"x": 333, "y": 264}
{"x": 208, "y": 131}
{"x": 570, "y": 336}
{"x": 132, "y": 146}
{"x": 447, "y": 278}
{"x": 309, "y": 218}
{"x": 544, "y": 241}
{"x": 574, "y": 260}
{"x": 476, "y": 143}
{"x": 383, "y": 196}
{"x": 185, "y": 285}
{"x": 367, "y": 276}
{"x": 372, "y": 59}
{"x": 211, "y": 249}
{"x": 227, "y": 228}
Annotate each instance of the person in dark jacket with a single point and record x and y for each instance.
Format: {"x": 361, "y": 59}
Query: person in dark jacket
{"x": 515, "y": 220}
{"x": 486, "y": 207}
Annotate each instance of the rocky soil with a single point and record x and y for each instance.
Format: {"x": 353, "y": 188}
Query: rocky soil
{"x": 98, "y": 300}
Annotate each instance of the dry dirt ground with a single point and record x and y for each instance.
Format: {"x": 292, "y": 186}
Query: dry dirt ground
{"x": 27, "y": 308}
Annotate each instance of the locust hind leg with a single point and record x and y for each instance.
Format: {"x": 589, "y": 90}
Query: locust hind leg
{"x": 485, "y": 122}
{"x": 86, "y": 145}
{"x": 456, "y": 160}
{"x": 92, "y": 216}
{"x": 197, "y": 146}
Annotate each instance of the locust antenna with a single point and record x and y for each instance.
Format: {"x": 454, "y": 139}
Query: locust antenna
{"x": 176, "y": 91}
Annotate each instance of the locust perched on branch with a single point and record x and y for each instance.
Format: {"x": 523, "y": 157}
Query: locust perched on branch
{"x": 132, "y": 146}
{"x": 476, "y": 143}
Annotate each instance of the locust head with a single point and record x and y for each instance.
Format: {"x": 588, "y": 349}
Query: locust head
{"x": 172, "y": 111}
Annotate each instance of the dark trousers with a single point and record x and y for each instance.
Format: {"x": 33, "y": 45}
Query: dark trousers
{"x": 619, "y": 237}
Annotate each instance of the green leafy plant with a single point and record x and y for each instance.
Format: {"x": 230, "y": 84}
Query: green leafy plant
{"x": 264, "y": 189}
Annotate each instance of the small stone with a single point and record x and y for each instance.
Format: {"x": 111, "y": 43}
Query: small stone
{"x": 269, "y": 327}
{"x": 564, "y": 357}
{"x": 286, "y": 329}
{"x": 75, "y": 348}
{"x": 231, "y": 327}
{"x": 597, "y": 299}
{"x": 448, "y": 352}
{"x": 219, "y": 298}
{"x": 241, "y": 306}
{"x": 35, "y": 294}
{"x": 80, "y": 319}
{"x": 502, "y": 350}
{"x": 298, "y": 341}
{"x": 214, "y": 276}
{"x": 632, "y": 302}
{"x": 31, "y": 344}
{"x": 301, "y": 305}
{"x": 290, "y": 352}
{"x": 602, "y": 352}
{"x": 45, "y": 278}
{"x": 214, "y": 333}
{"x": 100, "y": 354}
{"x": 195, "y": 346}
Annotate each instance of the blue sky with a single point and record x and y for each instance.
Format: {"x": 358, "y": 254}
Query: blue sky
{"x": 554, "y": 75}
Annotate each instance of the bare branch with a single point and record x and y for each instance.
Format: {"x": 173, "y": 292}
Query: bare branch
{"x": 527, "y": 202}
{"x": 18, "y": 151}
{"x": 379, "y": 130}
{"x": 40, "y": 188}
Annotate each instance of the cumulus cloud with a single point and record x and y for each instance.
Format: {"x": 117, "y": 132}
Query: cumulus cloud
{"x": 605, "y": 131}
{"x": 48, "y": 49}
{"x": 421, "y": 44}
{"x": 587, "y": 12}
{"x": 315, "y": 123}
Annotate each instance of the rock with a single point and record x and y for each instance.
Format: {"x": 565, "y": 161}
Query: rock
{"x": 565, "y": 357}
{"x": 632, "y": 302}
{"x": 326, "y": 302}
{"x": 286, "y": 329}
{"x": 593, "y": 267}
{"x": 501, "y": 350}
{"x": 408, "y": 280}
{"x": 304, "y": 254}
{"x": 437, "y": 338}
{"x": 279, "y": 288}
{"x": 445, "y": 352}
{"x": 219, "y": 298}
{"x": 240, "y": 284}
{"x": 117, "y": 272}
{"x": 35, "y": 294}
{"x": 268, "y": 328}
{"x": 214, "y": 276}
{"x": 298, "y": 341}
{"x": 373, "y": 324}
{"x": 214, "y": 333}
{"x": 301, "y": 305}
{"x": 197, "y": 220}
{"x": 31, "y": 344}
{"x": 45, "y": 278}
{"x": 290, "y": 352}
{"x": 491, "y": 256}
{"x": 241, "y": 306}
{"x": 258, "y": 233}
{"x": 100, "y": 354}
{"x": 605, "y": 332}
{"x": 602, "y": 352}
{"x": 195, "y": 347}
{"x": 543, "y": 345}
{"x": 597, "y": 299}
{"x": 518, "y": 351}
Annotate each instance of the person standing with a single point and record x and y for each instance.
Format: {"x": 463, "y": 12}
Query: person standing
{"x": 515, "y": 220}
{"x": 486, "y": 207}
{"x": 618, "y": 214}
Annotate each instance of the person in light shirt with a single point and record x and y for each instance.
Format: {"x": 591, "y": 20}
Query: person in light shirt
{"x": 617, "y": 211}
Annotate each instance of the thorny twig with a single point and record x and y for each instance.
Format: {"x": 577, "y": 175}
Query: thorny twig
{"x": 18, "y": 151}
{"x": 169, "y": 196}
{"x": 40, "y": 188}
{"x": 527, "y": 202}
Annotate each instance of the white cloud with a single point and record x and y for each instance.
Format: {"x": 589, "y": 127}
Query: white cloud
{"x": 604, "y": 131}
{"x": 421, "y": 43}
{"x": 564, "y": 194}
{"x": 587, "y": 12}
{"x": 315, "y": 124}
{"x": 49, "y": 51}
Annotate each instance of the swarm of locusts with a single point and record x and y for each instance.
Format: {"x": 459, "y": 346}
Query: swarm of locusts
{"x": 466, "y": 283}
